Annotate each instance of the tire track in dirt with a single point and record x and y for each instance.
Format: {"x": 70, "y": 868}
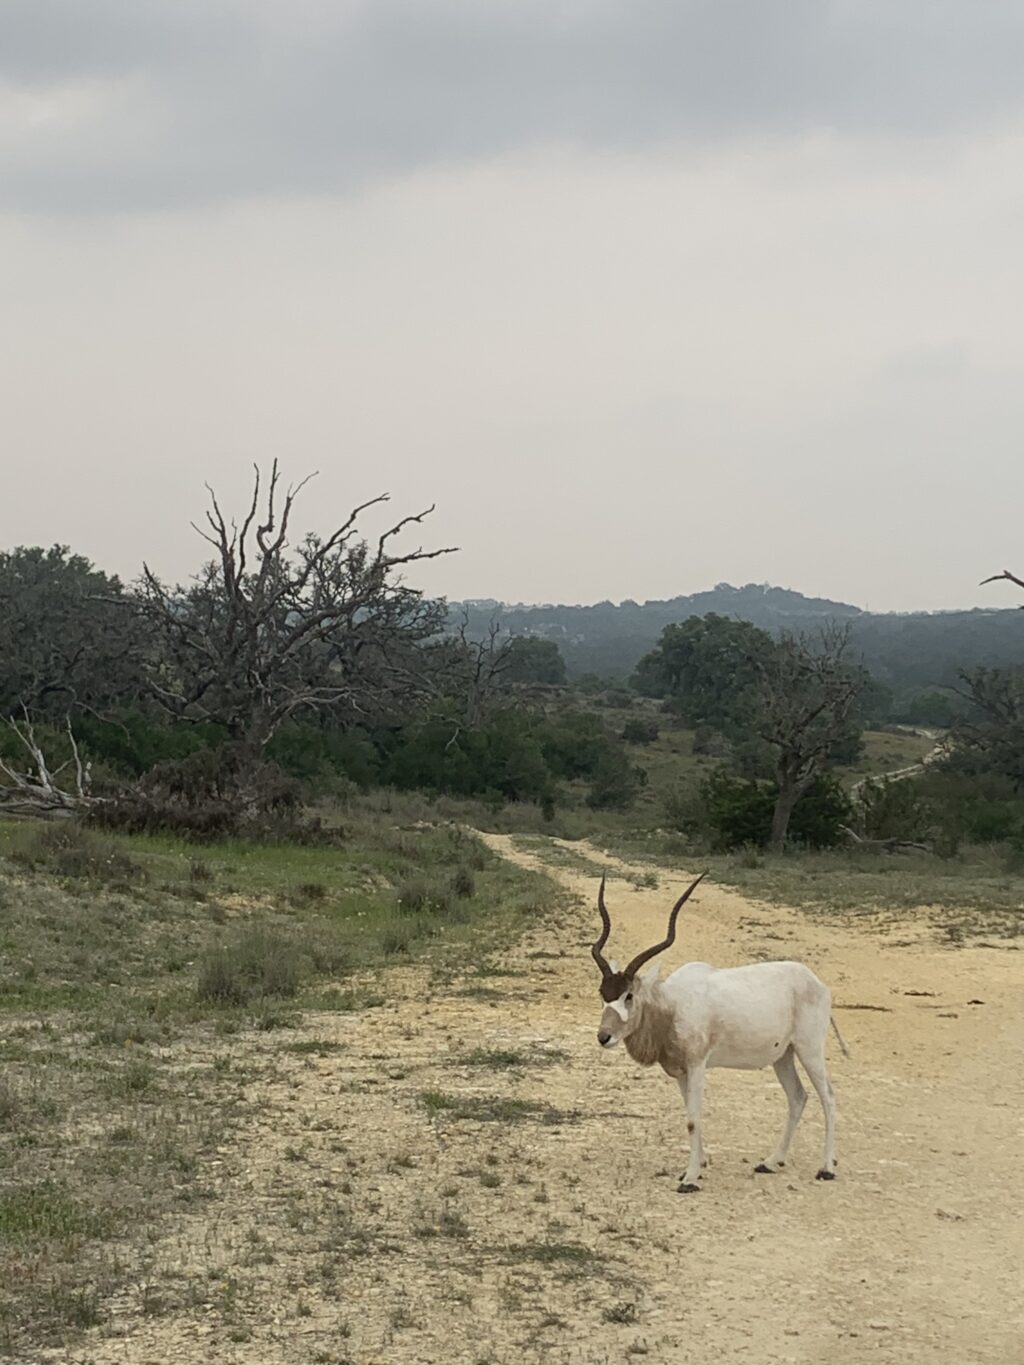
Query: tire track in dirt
{"x": 356, "y": 1228}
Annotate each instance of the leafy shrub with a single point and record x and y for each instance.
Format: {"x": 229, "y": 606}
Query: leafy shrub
{"x": 619, "y": 698}
{"x": 576, "y": 743}
{"x": 683, "y": 809}
{"x": 515, "y": 755}
{"x": 709, "y": 742}
{"x": 324, "y": 757}
{"x": 640, "y": 730}
{"x": 820, "y": 814}
{"x": 256, "y": 965}
{"x": 738, "y": 812}
{"x": 887, "y": 809}
{"x": 973, "y": 806}
{"x": 502, "y": 758}
{"x": 615, "y": 783}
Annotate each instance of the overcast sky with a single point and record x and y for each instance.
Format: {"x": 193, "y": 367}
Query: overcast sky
{"x": 644, "y": 294}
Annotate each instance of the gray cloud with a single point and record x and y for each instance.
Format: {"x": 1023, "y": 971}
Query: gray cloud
{"x": 128, "y": 104}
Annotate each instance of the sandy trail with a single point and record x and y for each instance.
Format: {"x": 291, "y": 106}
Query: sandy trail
{"x": 431, "y": 1226}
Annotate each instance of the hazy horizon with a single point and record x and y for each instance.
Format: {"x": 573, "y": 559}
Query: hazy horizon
{"x": 645, "y": 296}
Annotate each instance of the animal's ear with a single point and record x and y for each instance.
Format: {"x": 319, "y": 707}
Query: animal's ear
{"x": 650, "y": 976}
{"x": 614, "y": 966}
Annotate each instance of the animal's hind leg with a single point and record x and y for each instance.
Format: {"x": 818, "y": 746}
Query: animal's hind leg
{"x": 785, "y": 1069}
{"x": 813, "y": 1062}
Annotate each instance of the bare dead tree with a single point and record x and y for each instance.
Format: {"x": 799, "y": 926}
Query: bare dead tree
{"x": 269, "y": 628}
{"x": 36, "y": 789}
{"x": 998, "y": 577}
{"x": 482, "y": 663}
{"x": 805, "y": 696}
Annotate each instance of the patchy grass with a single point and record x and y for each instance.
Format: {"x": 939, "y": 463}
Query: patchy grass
{"x": 38, "y": 1213}
{"x": 979, "y": 892}
{"x": 313, "y": 1047}
{"x": 507, "y": 1059}
{"x": 489, "y": 1108}
{"x": 571, "y": 1254}
{"x": 69, "y": 852}
{"x": 130, "y": 970}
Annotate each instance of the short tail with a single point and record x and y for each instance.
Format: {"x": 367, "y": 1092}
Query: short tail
{"x": 835, "y": 1030}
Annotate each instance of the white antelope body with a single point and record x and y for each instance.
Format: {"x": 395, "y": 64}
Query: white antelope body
{"x": 764, "y": 1014}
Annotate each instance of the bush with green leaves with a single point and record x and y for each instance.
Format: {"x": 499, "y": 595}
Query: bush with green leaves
{"x": 640, "y": 730}
{"x": 889, "y": 809}
{"x": 615, "y": 783}
{"x": 737, "y": 812}
{"x": 515, "y": 754}
{"x": 978, "y": 807}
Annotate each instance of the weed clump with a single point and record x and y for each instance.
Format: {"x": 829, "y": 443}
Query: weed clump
{"x": 463, "y": 884}
{"x": 68, "y": 851}
{"x": 256, "y": 966}
{"x": 417, "y": 896}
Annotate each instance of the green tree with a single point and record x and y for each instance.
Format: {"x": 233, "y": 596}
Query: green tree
{"x": 805, "y": 698}
{"x": 533, "y": 660}
{"x": 707, "y": 668}
{"x": 990, "y": 737}
{"x": 64, "y": 644}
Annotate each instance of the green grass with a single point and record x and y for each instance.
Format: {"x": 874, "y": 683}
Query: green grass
{"x": 977, "y": 890}
{"x": 40, "y": 1213}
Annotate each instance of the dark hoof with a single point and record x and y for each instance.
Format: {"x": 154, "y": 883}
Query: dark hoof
{"x": 825, "y": 1175}
{"x": 763, "y": 1170}
{"x": 684, "y": 1188}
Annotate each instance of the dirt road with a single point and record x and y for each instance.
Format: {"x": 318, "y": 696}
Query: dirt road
{"x": 361, "y": 1224}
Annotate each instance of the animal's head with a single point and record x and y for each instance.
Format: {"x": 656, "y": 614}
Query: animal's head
{"x": 624, "y": 992}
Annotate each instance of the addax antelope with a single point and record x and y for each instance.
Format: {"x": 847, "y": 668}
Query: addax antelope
{"x": 767, "y": 1013}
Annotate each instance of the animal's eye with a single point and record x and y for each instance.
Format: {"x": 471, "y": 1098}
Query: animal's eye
{"x": 629, "y": 996}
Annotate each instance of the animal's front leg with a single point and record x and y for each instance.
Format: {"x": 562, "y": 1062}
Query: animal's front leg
{"x": 692, "y": 1087}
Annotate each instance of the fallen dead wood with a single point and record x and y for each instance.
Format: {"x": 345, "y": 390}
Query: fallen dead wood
{"x": 35, "y": 790}
{"x": 883, "y": 845}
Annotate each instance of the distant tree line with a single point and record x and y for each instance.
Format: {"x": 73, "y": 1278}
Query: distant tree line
{"x": 916, "y": 658}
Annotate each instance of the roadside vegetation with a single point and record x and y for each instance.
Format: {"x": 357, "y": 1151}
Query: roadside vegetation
{"x": 134, "y": 969}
